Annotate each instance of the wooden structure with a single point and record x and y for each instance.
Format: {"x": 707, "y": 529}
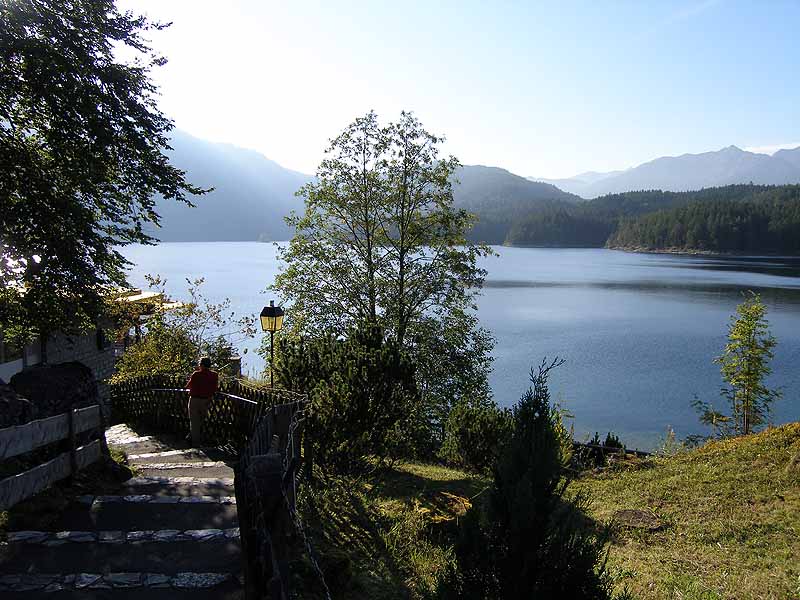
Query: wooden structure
{"x": 262, "y": 428}
{"x": 265, "y": 480}
{"x": 23, "y": 439}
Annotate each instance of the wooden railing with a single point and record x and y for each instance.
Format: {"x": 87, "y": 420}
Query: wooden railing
{"x": 262, "y": 428}
{"x": 265, "y": 480}
{"x": 160, "y": 402}
{"x": 23, "y": 439}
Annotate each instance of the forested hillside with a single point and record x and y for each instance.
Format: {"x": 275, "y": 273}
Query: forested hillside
{"x": 766, "y": 222}
{"x": 499, "y": 198}
{"x": 593, "y": 223}
{"x": 253, "y": 194}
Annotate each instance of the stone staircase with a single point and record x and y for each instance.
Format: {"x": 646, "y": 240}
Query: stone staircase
{"x": 171, "y": 532}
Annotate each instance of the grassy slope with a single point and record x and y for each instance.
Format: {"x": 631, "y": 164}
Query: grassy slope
{"x": 731, "y": 515}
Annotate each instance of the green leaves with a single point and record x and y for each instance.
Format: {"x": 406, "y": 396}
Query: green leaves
{"x": 744, "y": 367}
{"x": 362, "y": 390}
{"x": 380, "y": 241}
{"x": 82, "y": 145}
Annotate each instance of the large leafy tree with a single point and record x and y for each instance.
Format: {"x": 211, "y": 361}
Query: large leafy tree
{"x": 381, "y": 241}
{"x": 82, "y": 145}
{"x": 744, "y": 365}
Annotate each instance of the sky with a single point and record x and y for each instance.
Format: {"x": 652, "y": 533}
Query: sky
{"x": 545, "y": 89}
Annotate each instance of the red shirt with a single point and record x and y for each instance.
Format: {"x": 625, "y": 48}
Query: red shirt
{"x": 203, "y": 383}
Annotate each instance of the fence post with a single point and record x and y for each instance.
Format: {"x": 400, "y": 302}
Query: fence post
{"x": 73, "y": 444}
{"x": 265, "y": 474}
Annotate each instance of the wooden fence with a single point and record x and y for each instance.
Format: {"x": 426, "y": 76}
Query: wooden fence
{"x": 23, "y": 439}
{"x": 262, "y": 428}
{"x": 160, "y": 402}
{"x": 265, "y": 478}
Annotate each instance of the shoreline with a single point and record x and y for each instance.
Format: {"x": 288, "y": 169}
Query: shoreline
{"x": 696, "y": 252}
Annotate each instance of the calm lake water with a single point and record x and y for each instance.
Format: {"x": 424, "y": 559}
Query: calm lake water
{"x": 639, "y": 332}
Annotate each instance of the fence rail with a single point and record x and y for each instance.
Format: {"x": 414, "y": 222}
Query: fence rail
{"x": 161, "y": 402}
{"x": 22, "y": 439}
{"x": 262, "y": 429}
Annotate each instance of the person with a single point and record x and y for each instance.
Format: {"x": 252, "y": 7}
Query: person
{"x": 202, "y": 386}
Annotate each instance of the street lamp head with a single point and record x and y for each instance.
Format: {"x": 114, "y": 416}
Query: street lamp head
{"x": 272, "y": 317}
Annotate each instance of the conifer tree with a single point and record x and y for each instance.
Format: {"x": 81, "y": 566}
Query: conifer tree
{"x": 531, "y": 540}
{"x": 744, "y": 367}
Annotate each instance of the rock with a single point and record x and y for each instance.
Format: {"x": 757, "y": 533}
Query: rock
{"x": 84, "y": 580}
{"x": 204, "y": 535}
{"x": 139, "y": 536}
{"x": 33, "y": 582}
{"x": 637, "y": 519}
{"x": 199, "y": 580}
{"x": 166, "y": 535}
{"x": 123, "y": 580}
{"x": 14, "y": 409}
{"x": 55, "y": 389}
{"x": 156, "y": 580}
{"x": 111, "y": 537}
{"x": 30, "y": 537}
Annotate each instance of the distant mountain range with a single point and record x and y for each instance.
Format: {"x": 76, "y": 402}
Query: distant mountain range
{"x": 253, "y": 194}
{"x": 687, "y": 172}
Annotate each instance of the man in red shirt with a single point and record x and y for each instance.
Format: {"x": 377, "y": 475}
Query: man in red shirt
{"x": 202, "y": 386}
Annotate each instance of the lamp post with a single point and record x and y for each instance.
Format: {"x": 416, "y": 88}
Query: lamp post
{"x": 272, "y": 321}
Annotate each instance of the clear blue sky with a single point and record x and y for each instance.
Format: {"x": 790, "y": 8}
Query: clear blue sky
{"x": 539, "y": 88}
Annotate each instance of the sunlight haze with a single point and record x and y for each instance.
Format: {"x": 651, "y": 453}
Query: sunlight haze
{"x": 542, "y": 89}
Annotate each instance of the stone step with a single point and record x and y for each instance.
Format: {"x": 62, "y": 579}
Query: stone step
{"x": 167, "y": 552}
{"x": 133, "y": 516}
{"x": 178, "y": 456}
{"x": 156, "y": 499}
{"x": 194, "y": 585}
{"x": 206, "y": 469}
{"x": 168, "y": 485}
{"x": 132, "y": 442}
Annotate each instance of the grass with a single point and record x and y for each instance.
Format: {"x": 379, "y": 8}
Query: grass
{"x": 389, "y": 536}
{"x": 730, "y": 514}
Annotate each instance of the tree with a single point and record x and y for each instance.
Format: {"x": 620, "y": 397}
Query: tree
{"x": 380, "y": 241}
{"x": 177, "y": 335}
{"x": 82, "y": 145}
{"x": 744, "y": 366}
{"x": 362, "y": 390}
{"x": 530, "y": 540}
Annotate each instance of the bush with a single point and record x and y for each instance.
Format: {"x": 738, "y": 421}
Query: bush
{"x": 475, "y": 434}
{"x": 530, "y": 540}
{"x": 175, "y": 337}
{"x": 362, "y": 393}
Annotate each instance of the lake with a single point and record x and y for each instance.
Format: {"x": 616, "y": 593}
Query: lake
{"x": 639, "y": 332}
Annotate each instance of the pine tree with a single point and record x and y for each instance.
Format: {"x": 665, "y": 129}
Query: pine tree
{"x": 744, "y": 366}
{"x": 531, "y": 540}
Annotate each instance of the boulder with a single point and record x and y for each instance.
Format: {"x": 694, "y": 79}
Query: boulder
{"x": 14, "y": 409}
{"x": 55, "y": 389}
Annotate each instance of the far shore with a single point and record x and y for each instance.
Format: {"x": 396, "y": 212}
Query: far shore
{"x": 695, "y": 252}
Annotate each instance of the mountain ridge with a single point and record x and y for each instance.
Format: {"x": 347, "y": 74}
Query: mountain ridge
{"x": 252, "y": 195}
{"x": 686, "y": 172}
